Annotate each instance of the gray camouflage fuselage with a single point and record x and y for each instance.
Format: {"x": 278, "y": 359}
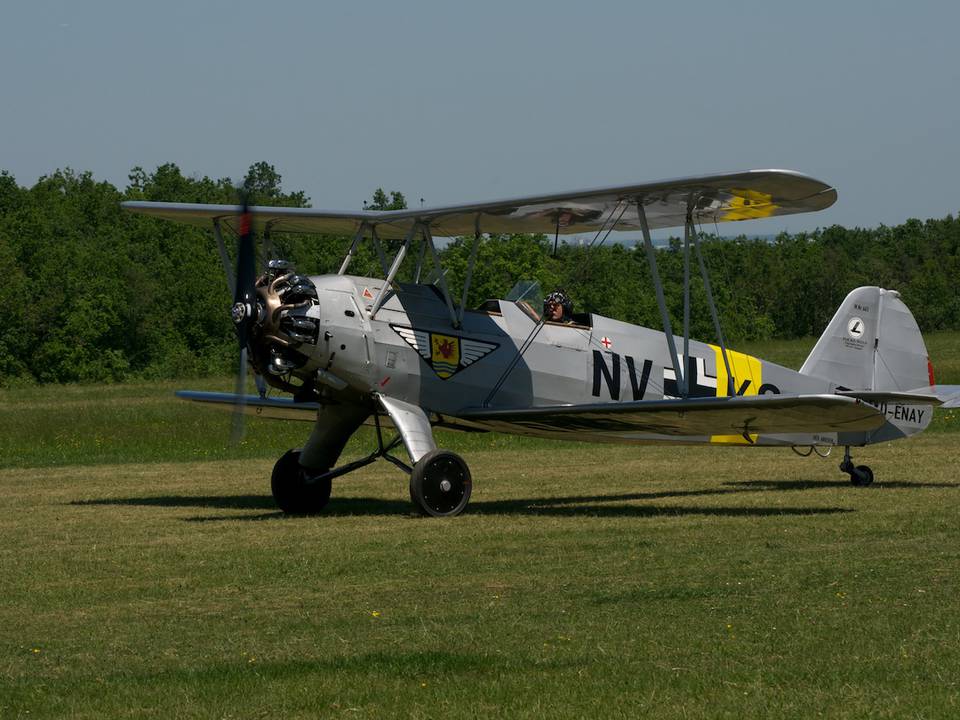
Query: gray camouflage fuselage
{"x": 504, "y": 357}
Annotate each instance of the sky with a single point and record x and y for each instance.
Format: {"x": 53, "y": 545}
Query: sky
{"x": 457, "y": 102}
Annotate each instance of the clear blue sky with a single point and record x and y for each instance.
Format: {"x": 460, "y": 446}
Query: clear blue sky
{"x": 455, "y": 102}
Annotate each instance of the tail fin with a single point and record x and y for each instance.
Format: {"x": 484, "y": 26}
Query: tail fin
{"x": 872, "y": 343}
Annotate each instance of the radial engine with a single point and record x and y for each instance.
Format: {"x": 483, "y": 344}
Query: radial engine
{"x": 284, "y": 337}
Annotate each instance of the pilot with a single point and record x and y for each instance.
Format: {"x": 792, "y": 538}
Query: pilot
{"x": 558, "y": 308}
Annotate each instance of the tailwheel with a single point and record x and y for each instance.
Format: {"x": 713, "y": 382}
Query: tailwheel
{"x": 296, "y": 490}
{"x": 440, "y": 484}
{"x": 860, "y": 475}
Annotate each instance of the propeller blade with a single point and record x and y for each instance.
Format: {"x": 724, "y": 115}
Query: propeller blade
{"x": 244, "y": 311}
{"x": 240, "y": 393}
{"x": 244, "y": 299}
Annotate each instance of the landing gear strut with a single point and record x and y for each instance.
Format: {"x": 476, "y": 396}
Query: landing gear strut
{"x": 297, "y": 490}
{"x": 861, "y": 475}
{"x": 301, "y": 491}
{"x": 440, "y": 481}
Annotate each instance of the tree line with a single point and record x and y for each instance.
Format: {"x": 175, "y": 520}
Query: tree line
{"x": 94, "y": 294}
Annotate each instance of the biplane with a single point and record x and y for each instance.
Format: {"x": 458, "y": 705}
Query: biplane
{"x": 409, "y": 355}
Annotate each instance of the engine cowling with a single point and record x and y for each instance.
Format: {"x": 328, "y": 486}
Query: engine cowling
{"x": 287, "y": 325}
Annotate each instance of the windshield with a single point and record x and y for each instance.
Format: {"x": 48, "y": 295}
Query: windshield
{"x": 529, "y": 297}
{"x": 528, "y": 291}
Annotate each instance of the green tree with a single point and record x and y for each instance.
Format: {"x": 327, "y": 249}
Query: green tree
{"x": 91, "y": 293}
{"x": 380, "y": 201}
{"x": 262, "y": 185}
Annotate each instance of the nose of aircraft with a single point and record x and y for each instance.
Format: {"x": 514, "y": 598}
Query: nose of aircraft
{"x": 285, "y": 324}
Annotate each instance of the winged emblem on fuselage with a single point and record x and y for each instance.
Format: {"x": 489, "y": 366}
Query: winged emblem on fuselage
{"x": 445, "y": 354}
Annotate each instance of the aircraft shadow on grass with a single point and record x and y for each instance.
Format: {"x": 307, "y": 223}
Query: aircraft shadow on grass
{"x": 760, "y": 485}
{"x": 225, "y": 502}
{"x": 569, "y": 506}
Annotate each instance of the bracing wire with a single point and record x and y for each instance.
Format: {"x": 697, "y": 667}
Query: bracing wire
{"x": 623, "y": 208}
{"x": 556, "y": 235}
{"x": 584, "y": 271}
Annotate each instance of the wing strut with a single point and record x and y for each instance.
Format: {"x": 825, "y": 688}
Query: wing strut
{"x": 713, "y": 308}
{"x": 269, "y": 252}
{"x": 690, "y": 236}
{"x": 418, "y": 270}
{"x": 658, "y": 286}
{"x": 470, "y": 263}
{"x": 379, "y": 248}
{"x": 392, "y": 273}
{"x": 358, "y": 236}
{"x": 426, "y": 245}
{"x": 441, "y": 276}
{"x": 224, "y": 258}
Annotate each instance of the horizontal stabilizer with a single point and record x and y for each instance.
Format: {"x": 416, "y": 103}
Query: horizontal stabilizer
{"x": 920, "y": 396}
{"x": 948, "y": 396}
{"x": 759, "y": 414}
{"x": 276, "y": 408}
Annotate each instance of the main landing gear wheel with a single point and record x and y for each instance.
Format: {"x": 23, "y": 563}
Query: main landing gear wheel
{"x": 294, "y": 489}
{"x": 861, "y": 475}
{"x": 440, "y": 484}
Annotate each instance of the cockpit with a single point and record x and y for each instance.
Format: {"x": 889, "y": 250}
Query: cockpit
{"x": 528, "y": 296}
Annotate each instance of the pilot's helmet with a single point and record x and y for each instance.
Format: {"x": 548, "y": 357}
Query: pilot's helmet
{"x": 558, "y": 297}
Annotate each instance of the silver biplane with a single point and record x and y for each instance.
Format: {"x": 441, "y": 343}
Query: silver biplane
{"x": 411, "y": 355}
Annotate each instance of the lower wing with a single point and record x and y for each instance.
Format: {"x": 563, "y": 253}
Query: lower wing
{"x": 277, "y": 408}
{"x": 746, "y": 416}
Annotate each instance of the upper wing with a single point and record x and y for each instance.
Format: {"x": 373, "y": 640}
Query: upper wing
{"x": 716, "y": 198}
{"x": 759, "y": 414}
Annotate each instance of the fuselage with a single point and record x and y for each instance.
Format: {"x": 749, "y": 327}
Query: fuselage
{"x": 503, "y": 356}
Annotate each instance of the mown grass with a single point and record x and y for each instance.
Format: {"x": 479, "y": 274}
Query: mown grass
{"x": 144, "y": 422}
{"x": 145, "y": 571}
{"x": 582, "y": 582}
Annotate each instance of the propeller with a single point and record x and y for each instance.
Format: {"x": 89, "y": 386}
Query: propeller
{"x": 244, "y": 310}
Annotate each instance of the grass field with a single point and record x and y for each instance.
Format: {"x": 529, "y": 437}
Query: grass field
{"x": 144, "y": 571}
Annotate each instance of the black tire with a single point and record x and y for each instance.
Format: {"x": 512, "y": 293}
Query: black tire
{"x": 440, "y": 484}
{"x": 292, "y": 489}
{"x": 861, "y": 476}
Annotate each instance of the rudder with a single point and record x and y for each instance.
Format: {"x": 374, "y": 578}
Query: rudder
{"x": 872, "y": 343}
